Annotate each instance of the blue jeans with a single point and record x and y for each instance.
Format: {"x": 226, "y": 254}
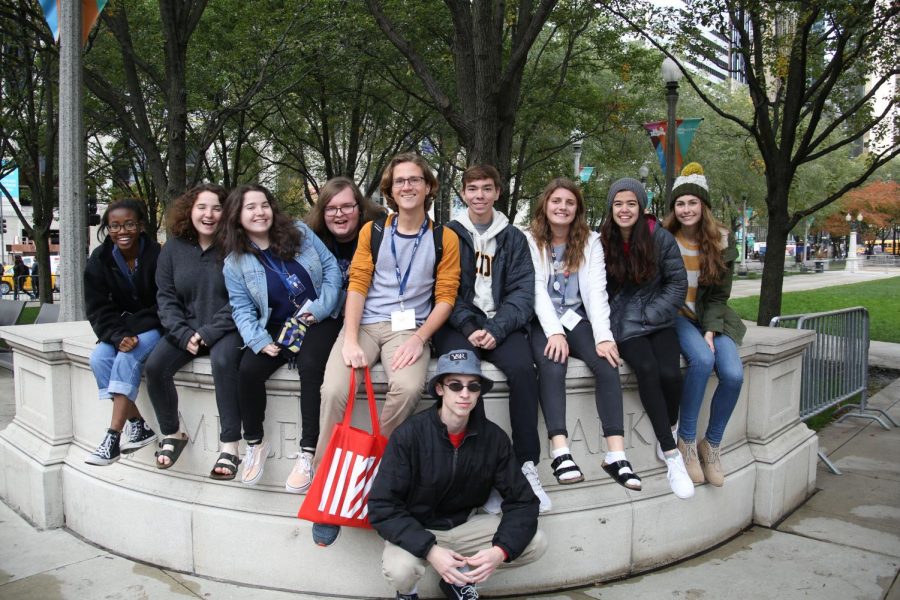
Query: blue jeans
{"x": 701, "y": 361}
{"x": 120, "y": 372}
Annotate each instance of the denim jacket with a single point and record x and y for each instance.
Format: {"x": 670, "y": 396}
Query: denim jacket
{"x": 245, "y": 278}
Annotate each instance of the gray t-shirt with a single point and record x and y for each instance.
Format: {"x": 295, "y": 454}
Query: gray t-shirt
{"x": 564, "y": 290}
{"x": 384, "y": 293}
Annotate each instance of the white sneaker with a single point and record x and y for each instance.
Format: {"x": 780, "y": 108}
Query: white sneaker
{"x": 255, "y": 462}
{"x": 659, "y": 451}
{"x": 494, "y": 502}
{"x": 679, "y": 480}
{"x": 531, "y": 474}
{"x": 301, "y": 475}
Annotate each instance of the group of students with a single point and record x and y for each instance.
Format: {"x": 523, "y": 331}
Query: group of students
{"x": 240, "y": 281}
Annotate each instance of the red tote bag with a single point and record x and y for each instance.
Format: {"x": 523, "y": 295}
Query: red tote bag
{"x": 340, "y": 489}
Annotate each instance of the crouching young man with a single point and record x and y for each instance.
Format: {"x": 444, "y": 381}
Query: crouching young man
{"x": 438, "y": 467}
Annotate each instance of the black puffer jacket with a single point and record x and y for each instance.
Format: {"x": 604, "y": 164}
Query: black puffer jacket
{"x": 637, "y": 310}
{"x": 512, "y": 285}
{"x": 114, "y": 308}
{"x": 424, "y": 483}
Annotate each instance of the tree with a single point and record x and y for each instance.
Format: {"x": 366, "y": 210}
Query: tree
{"x": 29, "y": 125}
{"x": 483, "y": 57}
{"x": 805, "y": 64}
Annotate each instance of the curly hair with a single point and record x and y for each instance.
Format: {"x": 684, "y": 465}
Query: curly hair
{"x": 709, "y": 234}
{"x": 639, "y": 265}
{"x": 133, "y": 204}
{"x": 178, "y": 216}
{"x": 284, "y": 237}
{"x": 368, "y": 210}
{"x": 387, "y": 179}
{"x": 578, "y": 231}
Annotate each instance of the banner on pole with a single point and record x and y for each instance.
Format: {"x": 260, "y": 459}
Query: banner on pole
{"x": 10, "y": 185}
{"x": 685, "y": 130}
{"x": 585, "y": 174}
{"x": 90, "y": 12}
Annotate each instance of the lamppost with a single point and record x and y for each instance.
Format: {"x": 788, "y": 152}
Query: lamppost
{"x": 851, "y": 266}
{"x": 643, "y": 172}
{"x": 671, "y": 75}
{"x": 576, "y": 148}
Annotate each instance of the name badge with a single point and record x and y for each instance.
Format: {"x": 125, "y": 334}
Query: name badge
{"x": 295, "y": 285}
{"x": 402, "y": 320}
{"x": 570, "y": 319}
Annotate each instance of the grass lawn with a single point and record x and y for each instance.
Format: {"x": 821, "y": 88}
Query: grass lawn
{"x": 881, "y": 298}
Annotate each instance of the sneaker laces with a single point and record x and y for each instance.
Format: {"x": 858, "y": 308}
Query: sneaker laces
{"x": 135, "y": 430}
{"x": 531, "y": 475}
{"x": 676, "y": 465}
{"x": 105, "y": 447}
{"x": 304, "y": 465}
{"x": 468, "y": 592}
{"x": 250, "y": 456}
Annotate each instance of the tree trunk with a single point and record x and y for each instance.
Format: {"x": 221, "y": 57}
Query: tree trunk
{"x": 770, "y": 292}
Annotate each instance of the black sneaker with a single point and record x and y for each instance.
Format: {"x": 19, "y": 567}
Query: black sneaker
{"x": 459, "y": 592}
{"x": 325, "y": 535}
{"x": 107, "y": 452}
{"x": 407, "y": 596}
{"x": 137, "y": 435}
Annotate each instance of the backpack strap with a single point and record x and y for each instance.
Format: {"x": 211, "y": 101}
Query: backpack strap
{"x": 438, "y": 235}
{"x": 377, "y": 236}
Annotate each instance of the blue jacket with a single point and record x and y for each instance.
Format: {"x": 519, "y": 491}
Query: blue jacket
{"x": 248, "y": 293}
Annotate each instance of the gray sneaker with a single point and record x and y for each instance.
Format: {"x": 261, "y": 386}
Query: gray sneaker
{"x": 531, "y": 474}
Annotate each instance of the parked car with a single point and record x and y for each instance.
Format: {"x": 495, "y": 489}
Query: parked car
{"x": 7, "y": 286}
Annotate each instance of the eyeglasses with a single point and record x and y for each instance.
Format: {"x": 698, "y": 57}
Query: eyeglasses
{"x": 456, "y": 386}
{"x": 127, "y": 226}
{"x": 345, "y": 209}
{"x": 412, "y": 181}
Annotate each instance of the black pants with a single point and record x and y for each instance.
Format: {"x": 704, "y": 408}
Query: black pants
{"x": 19, "y": 286}
{"x": 164, "y": 362}
{"x": 513, "y": 358}
{"x": 607, "y": 391}
{"x": 314, "y": 354}
{"x": 656, "y": 362}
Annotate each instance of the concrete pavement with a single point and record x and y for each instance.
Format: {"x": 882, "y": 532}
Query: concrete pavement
{"x": 844, "y": 542}
{"x": 811, "y": 281}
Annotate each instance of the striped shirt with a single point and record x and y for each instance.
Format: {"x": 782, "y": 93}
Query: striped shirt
{"x": 690, "y": 253}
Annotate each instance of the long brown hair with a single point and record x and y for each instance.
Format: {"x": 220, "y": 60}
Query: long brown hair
{"x": 639, "y": 265}
{"x": 284, "y": 237}
{"x": 178, "y": 217}
{"x": 709, "y": 234}
{"x": 387, "y": 179}
{"x": 578, "y": 230}
{"x": 368, "y": 210}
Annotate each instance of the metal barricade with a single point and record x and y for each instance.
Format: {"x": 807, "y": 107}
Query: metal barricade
{"x": 835, "y": 365}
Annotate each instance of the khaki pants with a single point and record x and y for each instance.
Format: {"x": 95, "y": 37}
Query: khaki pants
{"x": 378, "y": 342}
{"x": 403, "y": 570}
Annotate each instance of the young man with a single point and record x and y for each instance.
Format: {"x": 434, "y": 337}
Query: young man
{"x": 394, "y": 304}
{"x": 494, "y": 305}
{"x": 438, "y": 467}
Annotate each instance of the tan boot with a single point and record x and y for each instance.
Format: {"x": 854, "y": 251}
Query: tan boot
{"x": 712, "y": 466}
{"x": 691, "y": 460}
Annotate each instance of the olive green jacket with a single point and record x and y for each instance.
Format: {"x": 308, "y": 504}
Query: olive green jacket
{"x": 712, "y": 308}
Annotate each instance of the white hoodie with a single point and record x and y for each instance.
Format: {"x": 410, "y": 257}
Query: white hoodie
{"x": 485, "y": 247}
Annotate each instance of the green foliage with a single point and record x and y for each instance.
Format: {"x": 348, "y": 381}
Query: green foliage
{"x": 879, "y": 297}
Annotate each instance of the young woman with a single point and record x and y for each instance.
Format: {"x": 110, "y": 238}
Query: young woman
{"x": 120, "y": 301}
{"x": 338, "y": 215}
{"x": 647, "y": 285}
{"x": 572, "y": 319}
{"x": 274, "y": 269}
{"x": 709, "y": 332}
{"x": 196, "y": 317}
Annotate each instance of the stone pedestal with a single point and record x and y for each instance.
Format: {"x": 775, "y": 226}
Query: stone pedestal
{"x": 182, "y": 520}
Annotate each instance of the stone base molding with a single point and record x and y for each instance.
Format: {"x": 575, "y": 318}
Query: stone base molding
{"x": 182, "y": 520}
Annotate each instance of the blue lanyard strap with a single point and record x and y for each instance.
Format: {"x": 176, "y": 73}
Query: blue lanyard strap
{"x": 565, "y": 285}
{"x": 402, "y": 281}
{"x": 282, "y": 273}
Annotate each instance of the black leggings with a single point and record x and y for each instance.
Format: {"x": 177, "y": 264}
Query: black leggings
{"x": 607, "y": 391}
{"x": 512, "y": 357}
{"x": 656, "y": 361}
{"x": 224, "y": 357}
{"x": 314, "y": 354}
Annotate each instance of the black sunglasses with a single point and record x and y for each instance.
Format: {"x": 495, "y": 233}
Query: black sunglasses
{"x": 456, "y": 386}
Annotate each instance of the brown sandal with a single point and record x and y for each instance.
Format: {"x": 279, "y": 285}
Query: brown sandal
{"x": 227, "y": 461}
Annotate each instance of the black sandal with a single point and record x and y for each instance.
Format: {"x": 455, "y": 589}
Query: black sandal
{"x": 226, "y": 461}
{"x": 558, "y": 471}
{"x": 615, "y": 470}
{"x": 177, "y": 444}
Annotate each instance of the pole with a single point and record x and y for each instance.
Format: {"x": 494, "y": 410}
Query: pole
{"x": 743, "y": 270}
{"x": 72, "y": 213}
{"x": 671, "y": 133}
{"x": 577, "y": 162}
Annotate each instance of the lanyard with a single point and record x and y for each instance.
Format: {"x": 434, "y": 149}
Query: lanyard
{"x": 556, "y": 286}
{"x": 282, "y": 273}
{"x": 402, "y": 281}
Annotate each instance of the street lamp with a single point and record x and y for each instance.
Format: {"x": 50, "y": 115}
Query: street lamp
{"x": 852, "y": 266}
{"x": 671, "y": 74}
{"x": 643, "y": 172}
{"x": 576, "y": 148}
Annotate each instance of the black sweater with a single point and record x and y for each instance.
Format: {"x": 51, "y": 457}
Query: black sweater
{"x": 192, "y": 294}
{"x": 115, "y": 310}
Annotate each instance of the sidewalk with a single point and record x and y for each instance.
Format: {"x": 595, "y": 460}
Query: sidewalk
{"x": 795, "y": 283}
{"x": 844, "y": 542}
